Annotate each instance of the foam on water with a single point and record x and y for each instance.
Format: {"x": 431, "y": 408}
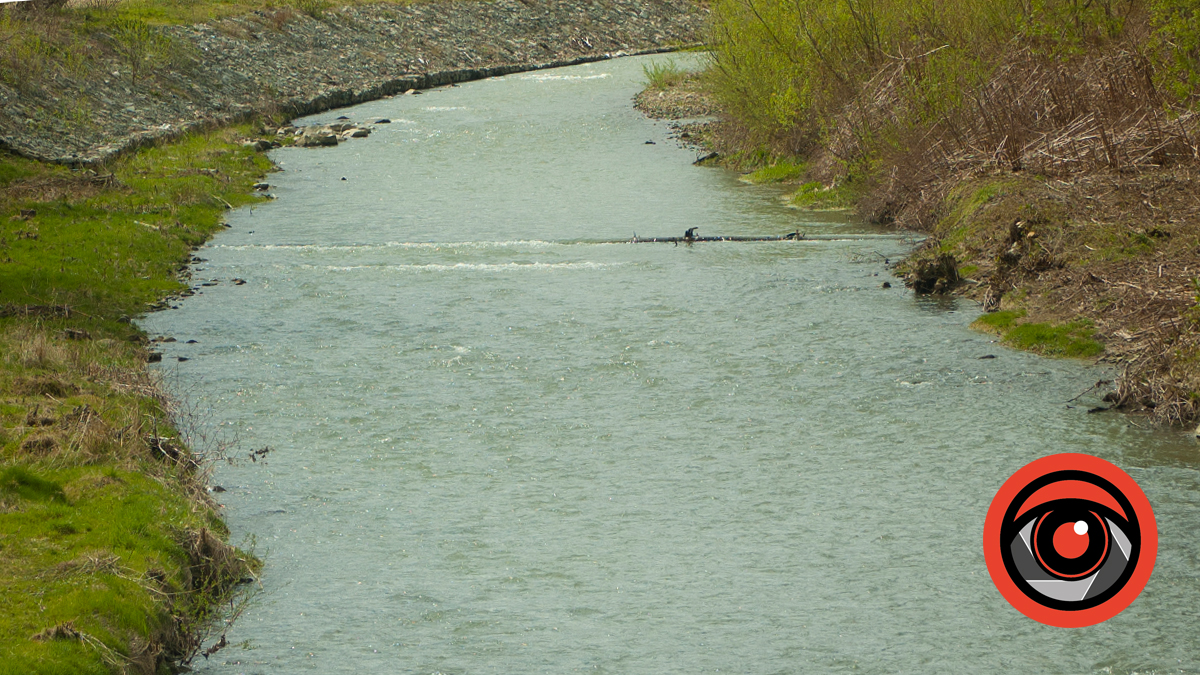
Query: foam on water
{"x": 470, "y": 267}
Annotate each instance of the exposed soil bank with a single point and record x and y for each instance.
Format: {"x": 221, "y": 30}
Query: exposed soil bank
{"x": 287, "y": 62}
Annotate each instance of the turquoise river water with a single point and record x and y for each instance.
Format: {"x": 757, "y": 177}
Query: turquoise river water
{"x": 500, "y": 446}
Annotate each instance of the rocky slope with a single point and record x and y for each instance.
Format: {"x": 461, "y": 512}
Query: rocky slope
{"x": 284, "y": 61}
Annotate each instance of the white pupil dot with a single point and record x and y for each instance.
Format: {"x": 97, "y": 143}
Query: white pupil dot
{"x": 1080, "y": 527}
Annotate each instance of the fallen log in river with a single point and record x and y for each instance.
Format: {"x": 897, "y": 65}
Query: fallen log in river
{"x": 791, "y": 236}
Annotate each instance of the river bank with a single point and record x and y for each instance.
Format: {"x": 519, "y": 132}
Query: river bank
{"x": 1075, "y": 227}
{"x": 505, "y": 445}
{"x": 113, "y": 554}
{"x": 90, "y": 100}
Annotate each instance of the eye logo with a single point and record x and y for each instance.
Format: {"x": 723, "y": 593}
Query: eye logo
{"x": 1070, "y": 540}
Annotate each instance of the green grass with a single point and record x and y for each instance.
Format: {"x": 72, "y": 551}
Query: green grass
{"x": 78, "y": 39}
{"x": 92, "y": 546}
{"x": 967, "y": 200}
{"x": 663, "y": 74}
{"x": 1000, "y": 321}
{"x": 779, "y": 172}
{"x": 198, "y": 11}
{"x": 816, "y": 196}
{"x": 94, "y": 524}
{"x": 99, "y": 528}
{"x": 1075, "y": 339}
{"x": 1071, "y": 340}
{"x": 118, "y": 250}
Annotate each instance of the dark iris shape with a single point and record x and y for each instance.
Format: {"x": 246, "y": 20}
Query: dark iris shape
{"x": 1067, "y": 552}
{"x": 1070, "y": 540}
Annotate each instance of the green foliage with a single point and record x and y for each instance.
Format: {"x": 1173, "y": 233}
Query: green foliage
{"x": 1193, "y": 313}
{"x": 663, "y": 74}
{"x": 869, "y": 78}
{"x": 28, "y": 54}
{"x": 1178, "y": 36}
{"x": 788, "y": 67}
{"x": 139, "y": 45}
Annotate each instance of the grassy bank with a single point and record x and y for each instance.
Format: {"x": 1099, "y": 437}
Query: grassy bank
{"x": 1047, "y": 147}
{"x": 112, "y": 556}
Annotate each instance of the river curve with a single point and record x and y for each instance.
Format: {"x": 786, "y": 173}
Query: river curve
{"x": 500, "y": 446}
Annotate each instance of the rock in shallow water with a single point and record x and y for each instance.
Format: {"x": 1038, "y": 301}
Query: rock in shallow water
{"x": 317, "y": 139}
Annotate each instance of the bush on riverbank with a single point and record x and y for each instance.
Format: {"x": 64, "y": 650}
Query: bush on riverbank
{"x": 1048, "y": 147}
{"x": 904, "y": 93}
{"x": 112, "y": 556}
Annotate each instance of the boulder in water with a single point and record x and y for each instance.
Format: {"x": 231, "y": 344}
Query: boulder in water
{"x": 317, "y": 137}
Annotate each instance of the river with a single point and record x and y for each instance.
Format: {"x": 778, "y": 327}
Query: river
{"x": 502, "y": 443}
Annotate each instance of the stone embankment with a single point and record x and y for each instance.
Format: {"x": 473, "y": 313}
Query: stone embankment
{"x": 284, "y": 61}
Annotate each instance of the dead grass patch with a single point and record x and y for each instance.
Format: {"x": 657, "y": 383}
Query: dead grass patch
{"x": 40, "y": 444}
{"x": 94, "y": 562}
{"x": 76, "y": 186}
{"x": 44, "y": 385}
{"x": 61, "y": 631}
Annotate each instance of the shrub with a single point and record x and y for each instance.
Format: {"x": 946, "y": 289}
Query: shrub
{"x": 1178, "y": 36}
{"x": 663, "y": 74}
{"x": 139, "y": 45}
{"x": 314, "y": 8}
{"x": 902, "y": 92}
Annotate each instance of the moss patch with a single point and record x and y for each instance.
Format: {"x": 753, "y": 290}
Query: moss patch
{"x": 1075, "y": 339}
{"x": 997, "y": 322}
{"x": 815, "y": 195}
{"x": 779, "y": 172}
{"x": 1070, "y": 340}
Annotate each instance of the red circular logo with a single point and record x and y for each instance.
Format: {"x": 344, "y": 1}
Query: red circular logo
{"x": 1070, "y": 540}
